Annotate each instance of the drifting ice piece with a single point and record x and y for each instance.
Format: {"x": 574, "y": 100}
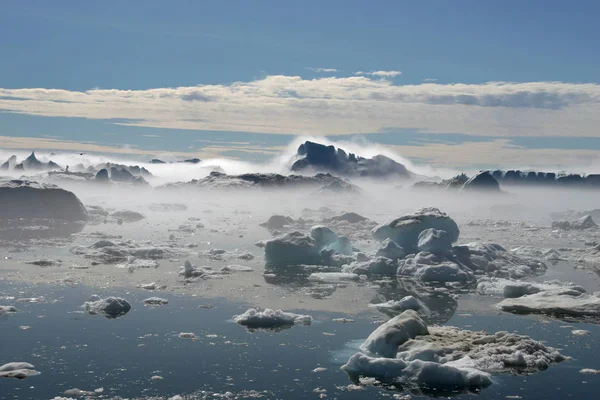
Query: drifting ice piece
{"x": 110, "y": 307}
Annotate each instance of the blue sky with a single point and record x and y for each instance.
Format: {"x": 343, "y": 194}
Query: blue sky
{"x": 79, "y": 46}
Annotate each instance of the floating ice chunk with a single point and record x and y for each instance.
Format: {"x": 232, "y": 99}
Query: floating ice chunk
{"x": 293, "y": 248}
{"x": 405, "y": 230}
{"x": 376, "y": 266}
{"x": 435, "y": 241}
{"x": 111, "y": 307}
{"x": 580, "y": 332}
{"x": 7, "y": 309}
{"x": 430, "y": 268}
{"x": 134, "y": 263}
{"x": 277, "y": 222}
{"x": 297, "y": 248}
{"x": 323, "y": 235}
{"x": 187, "y": 335}
{"x": 384, "y": 341}
{"x": 148, "y": 286}
{"x": 495, "y": 260}
{"x": 156, "y": 301}
{"x": 398, "y": 306}
{"x": 505, "y": 287}
{"x": 528, "y": 251}
{"x": 77, "y": 392}
{"x": 590, "y": 371}
{"x": 270, "y": 319}
{"x": 390, "y": 249}
{"x": 562, "y": 302}
{"x": 17, "y": 370}
{"x": 237, "y": 268}
{"x": 333, "y": 277}
{"x": 585, "y": 222}
{"x": 128, "y": 216}
{"x": 417, "y": 374}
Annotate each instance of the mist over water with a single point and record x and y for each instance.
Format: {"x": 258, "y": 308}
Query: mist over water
{"x": 221, "y": 232}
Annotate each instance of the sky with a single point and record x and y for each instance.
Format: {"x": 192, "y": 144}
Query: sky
{"x": 484, "y": 83}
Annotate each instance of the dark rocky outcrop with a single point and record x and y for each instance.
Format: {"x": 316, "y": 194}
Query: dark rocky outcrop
{"x": 484, "y": 182}
{"x": 10, "y": 163}
{"x": 257, "y": 180}
{"x": 31, "y": 163}
{"x": 318, "y": 157}
{"x": 102, "y": 175}
{"x": 28, "y": 200}
{"x": 120, "y": 175}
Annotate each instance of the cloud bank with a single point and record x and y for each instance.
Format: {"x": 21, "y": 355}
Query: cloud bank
{"x": 332, "y": 106}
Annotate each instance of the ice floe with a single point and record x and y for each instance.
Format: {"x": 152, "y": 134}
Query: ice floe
{"x": 405, "y": 350}
{"x": 111, "y": 307}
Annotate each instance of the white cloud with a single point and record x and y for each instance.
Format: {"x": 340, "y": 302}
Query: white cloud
{"x": 327, "y": 70}
{"x": 381, "y": 74}
{"x": 332, "y": 105}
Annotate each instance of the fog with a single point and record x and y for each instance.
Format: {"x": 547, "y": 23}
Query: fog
{"x": 364, "y": 249}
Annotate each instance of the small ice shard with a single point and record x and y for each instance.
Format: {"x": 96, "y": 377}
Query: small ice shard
{"x": 155, "y": 301}
{"x": 187, "y": 335}
{"x": 319, "y": 369}
{"x": 17, "y": 370}
{"x": 270, "y": 319}
{"x": 111, "y": 307}
{"x": 384, "y": 341}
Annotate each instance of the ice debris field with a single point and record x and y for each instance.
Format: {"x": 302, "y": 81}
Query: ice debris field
{"x": 322, "y": 274}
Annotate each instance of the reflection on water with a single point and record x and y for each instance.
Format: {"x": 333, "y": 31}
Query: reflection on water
{"x": 441, "y": 304}
{"x": 76, "y": 350}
